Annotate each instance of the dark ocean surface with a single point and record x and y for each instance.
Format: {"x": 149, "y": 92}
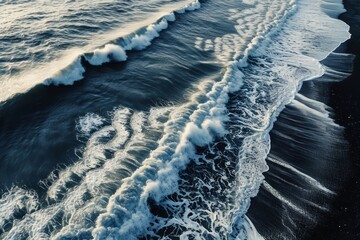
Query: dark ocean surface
{"x": 167, "y": 119}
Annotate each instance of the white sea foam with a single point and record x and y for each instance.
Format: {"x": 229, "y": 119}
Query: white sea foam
{"x": 307, "y": 66}
{"x": 66, "y": 70}
{"x": 206, "y": 123}
{"x": 118, "y": 207}
{"x": 108, "y": 53}
{"x": 89, "y": 123}
{"x": 68, "y": 75}
{"x": 15, "y": 201}
{"x": 137, "y": 42}
{"x": 189, "y": 7}
{"x": 95, "y": 175}
{"x": 333, "y": 7}
{"x": 172, "y": 155}
{"x": 140, "y": 42}
{"x": 286, "y": 62}
{"x": 252, "y": 233}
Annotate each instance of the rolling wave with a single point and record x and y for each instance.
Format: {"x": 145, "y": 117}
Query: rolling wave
{"x": 138, "y": 40}
{"x": 70, "y": 68}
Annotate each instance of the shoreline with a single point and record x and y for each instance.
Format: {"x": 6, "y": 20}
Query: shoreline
{"x": 344, "y": 221}
{"x": 281, "y": 210}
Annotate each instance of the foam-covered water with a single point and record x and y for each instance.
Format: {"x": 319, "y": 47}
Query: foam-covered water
{"x": 166, "y": 136}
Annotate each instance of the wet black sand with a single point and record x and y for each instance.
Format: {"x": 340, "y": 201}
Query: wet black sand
{"x": 330, "y": 155}
{"x": 344, "y": 220}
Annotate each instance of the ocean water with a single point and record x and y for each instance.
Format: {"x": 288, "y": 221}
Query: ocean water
{"x": 151, "y": 120}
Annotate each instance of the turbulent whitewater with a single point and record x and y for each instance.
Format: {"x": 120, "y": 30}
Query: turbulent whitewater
{"x": 148, "y": 120}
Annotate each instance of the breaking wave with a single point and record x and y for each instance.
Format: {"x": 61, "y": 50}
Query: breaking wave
{"x": 70, "y": 68}
{"x": 138, "y": 40}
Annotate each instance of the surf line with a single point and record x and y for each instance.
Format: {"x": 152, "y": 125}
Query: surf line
{"x": 138, "y": 40}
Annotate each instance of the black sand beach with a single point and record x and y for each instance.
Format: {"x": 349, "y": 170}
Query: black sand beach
{"x": 329, "y": 154}
{"x": 344, "y": 220}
